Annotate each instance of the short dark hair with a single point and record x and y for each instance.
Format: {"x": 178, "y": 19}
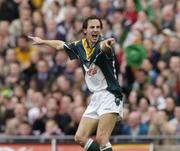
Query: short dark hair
{"x": 85, "y": 23}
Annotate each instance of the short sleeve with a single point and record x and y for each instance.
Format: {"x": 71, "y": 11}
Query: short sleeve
{"x": 71, "y": 50}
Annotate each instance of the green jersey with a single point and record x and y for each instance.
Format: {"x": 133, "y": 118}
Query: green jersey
{"x": 100, "y": 67}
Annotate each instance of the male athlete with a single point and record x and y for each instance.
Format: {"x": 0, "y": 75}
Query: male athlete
{"x": 98, "y": 60}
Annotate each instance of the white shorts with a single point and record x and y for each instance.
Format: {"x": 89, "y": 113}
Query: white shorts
{"x": 103, "y": 102}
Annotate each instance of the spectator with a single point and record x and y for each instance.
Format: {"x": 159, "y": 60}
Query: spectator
{"x": 24, "y": 128}
{"x": 167, "y": 20}
{"x": 64, "y": 27}
{"x": 160, "y": 126}
{"x": 158, "y": 99}
{"x": 23, "y": 51}
{"x": 142, "y": 80}
{"x": 141, "y": 22}
{"x": 64, "y": 84}
{"x": 27, "y": 27}
{"x": 31, "y": 71}
{"x": 20, "y": 112}
{"x": 51, "y": 128}
{"x": 11, "y": 126}
{"x": 51, "y": 113}
{"x": 39, "y": 86}
{"x": 16, "y": 25}
{"x": 51, "y": 29}
{"x": 174, "y": 79}
{"x": 59, "y": 66}
{"x": 79, "y": 81}
{"x": 8, "y": 10}
{"x": 107, "y": 31}
{"x": 126, "y": 113}
{"x": 134, "y": 127}
{"x": 39, "y": 31}
{"x": 43, "y": 77}
{"x": 143, "y": 109}
{"x": 130, "y": 13}
{"x": 75, "y": 116}
{"x": 175, "y": 122}
{"x": 7, "y": 39}
{"x": 133, "y": 100}
{"x": 173, "y": 50}
{"x": 56, "y": 11}
{"x": 38, "y": 19}
{"x": 71, "y": 66}
{"x": 152, "y": 110}
{"x": 65, "y": 104}
{"x": 156, "y": 4}
{"x": 170, "y": 107}
{"x": 14, "y": 76}
{"x": 153, "y": 55}
{"x": 11, "y": 56}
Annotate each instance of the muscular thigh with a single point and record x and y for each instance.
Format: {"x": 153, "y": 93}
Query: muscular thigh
{"x": 86, "y": 126}
{"x": 106, "y": 124}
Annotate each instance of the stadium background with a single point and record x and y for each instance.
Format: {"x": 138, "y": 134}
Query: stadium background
{"x": 42, "y": 92}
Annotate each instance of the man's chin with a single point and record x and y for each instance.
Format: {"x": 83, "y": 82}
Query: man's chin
{"x": 95, "y": 40}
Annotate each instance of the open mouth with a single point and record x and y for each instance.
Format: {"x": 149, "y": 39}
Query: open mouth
{"x": 95, "y": 36}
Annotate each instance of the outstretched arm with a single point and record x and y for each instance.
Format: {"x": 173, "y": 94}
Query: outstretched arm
{"x": 57, "y": 44}
{"x": 106, "y": 44}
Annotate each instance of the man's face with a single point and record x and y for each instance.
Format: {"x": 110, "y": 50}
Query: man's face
{"x": 22, "y": 44}
{"x": 93, "y": 31}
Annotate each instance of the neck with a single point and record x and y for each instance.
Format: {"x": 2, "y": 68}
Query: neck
{"x": 90, "y": 44}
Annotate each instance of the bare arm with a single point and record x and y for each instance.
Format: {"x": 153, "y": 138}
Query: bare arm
{"x": 106, "y": 44}
{"x": 57, "y": 44}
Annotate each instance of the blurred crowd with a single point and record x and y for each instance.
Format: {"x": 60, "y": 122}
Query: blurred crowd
{"x": 42, "y": 91}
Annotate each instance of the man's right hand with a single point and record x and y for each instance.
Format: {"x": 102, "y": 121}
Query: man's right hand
{"x": 36, "y": 40}
{"x": 57, "y": 44}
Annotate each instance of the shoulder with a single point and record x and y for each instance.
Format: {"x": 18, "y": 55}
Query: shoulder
{"x": 76, "y": 42}
{"x": 144, "y": 127}
{"x": 73, "y": 44}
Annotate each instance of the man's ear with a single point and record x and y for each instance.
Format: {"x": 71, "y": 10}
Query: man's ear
{"x": 84, "y": 31}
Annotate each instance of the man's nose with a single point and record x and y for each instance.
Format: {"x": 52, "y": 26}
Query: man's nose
{"x": 95, "y": 29}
